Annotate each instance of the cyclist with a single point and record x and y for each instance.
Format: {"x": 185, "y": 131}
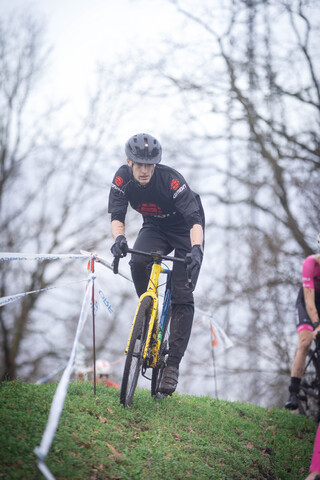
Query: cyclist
{"x": 308, "y": 321}
{"x": 173, "y": 219}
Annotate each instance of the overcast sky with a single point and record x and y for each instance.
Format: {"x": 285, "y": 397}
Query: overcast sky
{"x": 84, "y": 32}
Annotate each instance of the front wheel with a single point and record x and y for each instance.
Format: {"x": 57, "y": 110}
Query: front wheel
{"x": 134, "y": 358}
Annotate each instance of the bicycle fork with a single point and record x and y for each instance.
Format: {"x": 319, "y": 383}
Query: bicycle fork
{"x": 152, "y": 338}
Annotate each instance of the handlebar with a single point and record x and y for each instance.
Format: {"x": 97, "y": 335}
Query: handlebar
{"x": 157, "y": 257}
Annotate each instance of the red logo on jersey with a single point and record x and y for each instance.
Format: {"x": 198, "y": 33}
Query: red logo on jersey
{"x": 174, "y": 184}
{"x": 118, "y": 181}
{"x": 149, "y": 209}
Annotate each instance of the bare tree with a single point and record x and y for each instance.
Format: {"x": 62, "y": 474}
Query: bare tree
{"x": 260, "y": 57}
{"x": 53, "y": 199}
{"x": 244, "y": 91}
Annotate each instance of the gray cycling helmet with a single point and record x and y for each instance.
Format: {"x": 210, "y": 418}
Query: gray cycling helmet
{"x": 143, "y": 148}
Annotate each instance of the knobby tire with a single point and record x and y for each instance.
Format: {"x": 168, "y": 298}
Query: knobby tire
{"x": 134, "y": 358}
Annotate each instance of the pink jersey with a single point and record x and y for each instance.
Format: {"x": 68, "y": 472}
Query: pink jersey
{"x": 311, "y": 272}
{"x": 315, "y": 461}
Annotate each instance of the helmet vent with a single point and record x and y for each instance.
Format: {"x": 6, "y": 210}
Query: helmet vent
{"x": 146, "y": 147}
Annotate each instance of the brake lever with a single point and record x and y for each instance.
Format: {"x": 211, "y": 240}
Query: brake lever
{"x": 115, "y": 264}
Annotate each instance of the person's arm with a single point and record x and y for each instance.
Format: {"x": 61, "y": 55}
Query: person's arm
{"x": 118, "y": 201}
{"x": 120, "y": 246}
{"x": 309, "y": 298}
{"x": 196, "y": 235}
{"x": 117, "y": 228}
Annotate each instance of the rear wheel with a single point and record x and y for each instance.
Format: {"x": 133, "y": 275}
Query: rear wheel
{"x": 134, "y": 358}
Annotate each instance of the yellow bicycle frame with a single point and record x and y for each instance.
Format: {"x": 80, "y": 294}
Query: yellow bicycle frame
{"x": 152, "y": 292}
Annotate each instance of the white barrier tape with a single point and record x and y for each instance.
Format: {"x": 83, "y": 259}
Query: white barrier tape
{"x": 98, "y": 259}
{"x": 61, "y": 391}
{"x": 45, "y": 471}
{"x": 224, "y": 342}
{"x": 105, "y": 263}
{"x": 4, "y": 256}
{"x": 223, "y": 336}
{"x": 50, "y": 375}
{"x": 13, "y": 298}
{"x": 104, "y": 299}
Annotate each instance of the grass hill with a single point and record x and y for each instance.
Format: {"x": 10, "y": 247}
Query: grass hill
{"x": 181, "y": 437}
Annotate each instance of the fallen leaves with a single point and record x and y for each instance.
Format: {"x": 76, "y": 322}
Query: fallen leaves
{"x": 102, "y": 419}
{"x": 115, "y": 453}
{"x": 85, "y": 445}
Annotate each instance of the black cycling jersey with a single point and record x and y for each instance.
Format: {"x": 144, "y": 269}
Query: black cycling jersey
{"x": 169, "y": 209}
{"x": 166, "y": 200}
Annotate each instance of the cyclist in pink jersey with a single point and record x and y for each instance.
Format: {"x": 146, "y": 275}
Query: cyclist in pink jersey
{"x": 308, "y": 321}
{"x": 315, "y": 461}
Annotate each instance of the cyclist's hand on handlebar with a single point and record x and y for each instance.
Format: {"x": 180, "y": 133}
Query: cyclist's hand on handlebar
{"x": 316, "y": 333}
{"x": 120, "y": 247}
{"x": 193, "y": 263}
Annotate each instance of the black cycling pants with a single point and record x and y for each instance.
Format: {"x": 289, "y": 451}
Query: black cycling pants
{"x": 152, "y": 238}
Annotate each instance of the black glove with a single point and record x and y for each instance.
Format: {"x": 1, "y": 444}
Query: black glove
{"x": 120, "y": 247}
{"x": 193, "y": 263}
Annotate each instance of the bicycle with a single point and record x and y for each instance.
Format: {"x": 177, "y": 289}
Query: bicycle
{"x": 309, "y": 395}
{"x": 148, "y": 344}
